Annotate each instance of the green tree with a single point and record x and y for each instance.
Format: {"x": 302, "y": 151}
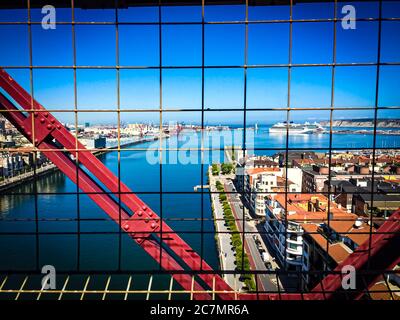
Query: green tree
{"x": 226, "y": 168}
{"x": 215, "y": 169}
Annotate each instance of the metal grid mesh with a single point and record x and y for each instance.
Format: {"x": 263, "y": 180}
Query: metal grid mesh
{"x": 21, "y": 288}
{"x": 124, "y": 287}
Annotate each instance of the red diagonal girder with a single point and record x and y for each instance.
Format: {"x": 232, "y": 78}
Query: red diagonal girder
{"x": 106, "y": 203}
{"x": 380, "y": 254}
{"x": 145, "y": 222}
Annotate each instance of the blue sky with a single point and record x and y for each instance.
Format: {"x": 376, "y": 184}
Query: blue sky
{"x": 268, "y": 44}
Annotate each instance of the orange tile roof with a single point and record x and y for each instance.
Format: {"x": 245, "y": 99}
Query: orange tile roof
{"x": 261, "y": 170}
{"x": 303, "y": 161}
{"x": 337, "y": 251}
{"x": 282, "y": 180}
{"x": 307, "y": 216}
{"x": 278, "y": 189}
{"x": 296, "y": 201}
{"x": 312, "y": 230}
{"x": 380, "y": 291}
{"x": 341, "y": 226}
{"x": 347, "y": 229}
{"x": 360, "y": 235}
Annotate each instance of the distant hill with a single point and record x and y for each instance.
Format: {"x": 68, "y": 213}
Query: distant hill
{"x": 382, "y": 123}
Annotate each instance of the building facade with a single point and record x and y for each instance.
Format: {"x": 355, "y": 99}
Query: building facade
{"x": 286, "y": 216}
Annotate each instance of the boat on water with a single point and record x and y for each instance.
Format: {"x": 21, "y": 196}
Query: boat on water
{"x": 297, "y": 128}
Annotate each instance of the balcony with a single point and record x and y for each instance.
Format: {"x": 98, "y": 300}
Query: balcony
{"x": 294, "y": 227}
{"x": 260, "y": 212}
{"x": 260, "y": 206}
{"x": 295, "y": 251}
{"x": 294, "y": 239}
{"x": 298, "y": 261}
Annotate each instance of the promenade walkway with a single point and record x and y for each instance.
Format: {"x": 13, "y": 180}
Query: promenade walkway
{"x": 226, "y": 252}
{"x": 266, "y": 281}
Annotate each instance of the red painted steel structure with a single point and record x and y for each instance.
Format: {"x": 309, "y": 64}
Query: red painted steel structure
{"x": 143, "y": 225}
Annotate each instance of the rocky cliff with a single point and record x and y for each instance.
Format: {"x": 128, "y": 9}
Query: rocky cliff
{"x": 382, "y": 123}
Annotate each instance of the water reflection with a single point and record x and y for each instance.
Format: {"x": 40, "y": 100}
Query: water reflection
{"x": 24, "y": 193}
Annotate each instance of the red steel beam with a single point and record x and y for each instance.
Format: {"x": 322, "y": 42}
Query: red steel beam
{"x": 370, "y": 265}
{"x": 380, "y": 254}
{"x": 40, "y": 127}
{"x": 106, "y": 203}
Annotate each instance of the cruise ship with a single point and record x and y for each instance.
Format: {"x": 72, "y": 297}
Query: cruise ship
{"x": 297, "y": 128}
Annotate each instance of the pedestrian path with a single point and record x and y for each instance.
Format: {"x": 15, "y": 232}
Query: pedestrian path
{"x": 226, "y": 252}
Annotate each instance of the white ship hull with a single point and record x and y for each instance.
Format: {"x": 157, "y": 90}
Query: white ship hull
{"x": 291, "y": 130}
{"x": 282, "y": 128}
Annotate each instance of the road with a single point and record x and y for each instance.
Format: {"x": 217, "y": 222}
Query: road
{"x": 268, "y": 281}
{"x": 227, "y": 254}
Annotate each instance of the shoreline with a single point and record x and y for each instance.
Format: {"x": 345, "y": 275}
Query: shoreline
{"x": 50, "y": 168}
{"x": 369, "y": 132}
{"x": 15, "y": 181}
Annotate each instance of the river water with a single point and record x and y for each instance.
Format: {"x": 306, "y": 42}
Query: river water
{"x": 58, "y": 208}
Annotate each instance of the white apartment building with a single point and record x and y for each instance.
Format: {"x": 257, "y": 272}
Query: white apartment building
{"x": 287, "y": 242}
{"x": 96, "y": 142}
{"x": 260, "y": 182}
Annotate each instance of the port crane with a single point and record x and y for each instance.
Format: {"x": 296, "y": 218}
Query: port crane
{"x": 146, "y": 228}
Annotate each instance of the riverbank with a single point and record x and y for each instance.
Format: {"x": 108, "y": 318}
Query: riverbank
{"x": 27, "y": 176}
{"x": 127, "y": 144}
{"x": 365, "y": 131}
{"x": 363, "y": 123}
{"x": 49, "y": 168}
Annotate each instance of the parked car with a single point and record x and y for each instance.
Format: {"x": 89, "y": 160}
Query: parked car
{"x": 268, "y": 265}
{"x": 265, "y": 256}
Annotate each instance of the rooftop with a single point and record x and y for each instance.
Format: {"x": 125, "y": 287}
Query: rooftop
{"x": 307, "y": 207}
{"x": 348, "y": 229}
{"x": 337, "y": 251}
{"x": 254, "y": 171}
